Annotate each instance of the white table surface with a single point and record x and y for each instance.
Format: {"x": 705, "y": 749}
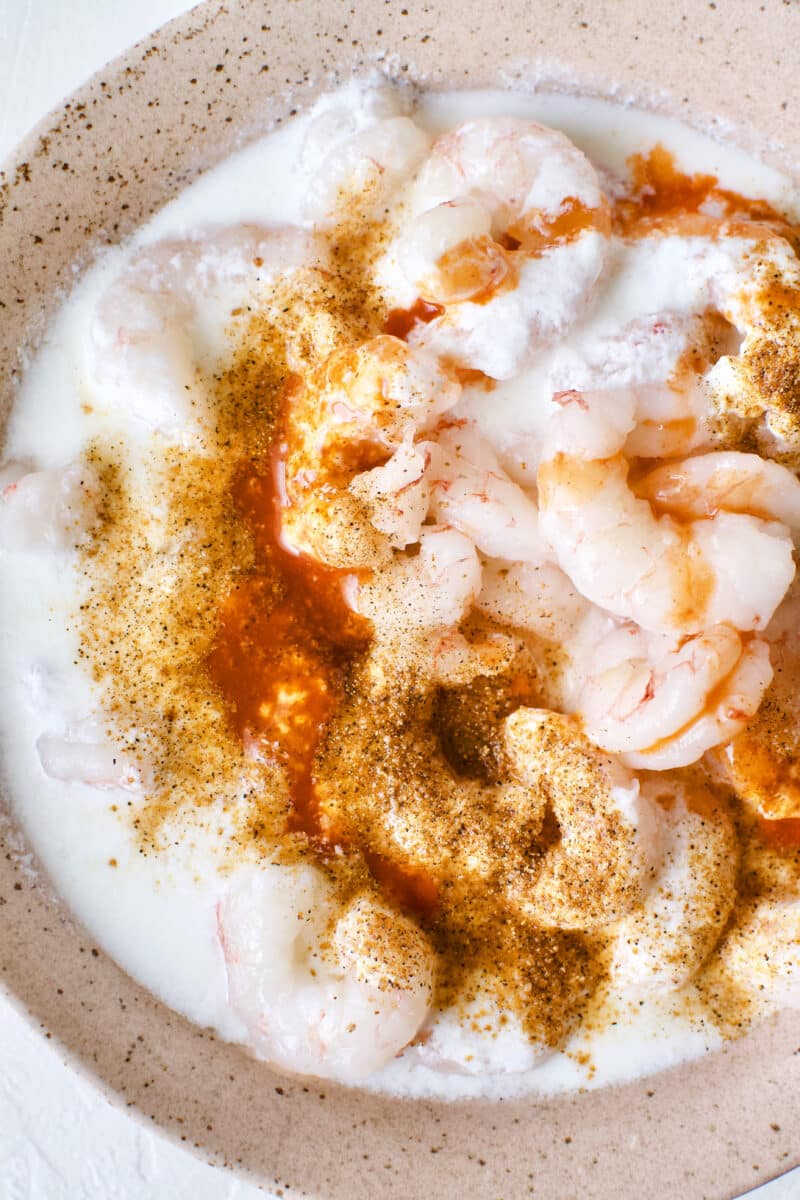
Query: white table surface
{"x": 59, "y": 1139}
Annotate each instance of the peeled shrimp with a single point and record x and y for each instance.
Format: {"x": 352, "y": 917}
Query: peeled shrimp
{"x": 415, "y": 604}
{"x": 47, "y": 510}
{"x": 322, "y": 990}
{"x": 356, "y": 156}
{"x": 726, "y": 481}
{"x": 661, "y": 361}
{"x": 383, "y": 781}
{"x": 661, "y": 945}
{"x": 488, "y": 185}
{"x": 471, "y": 492}
{"x": 664, "y": 575}
{"x": 744, "y": 280}
{"x": 662, "y": 704}
{"x": 84, "y": 753}
{"x": 362, "y": 405}
{"x": 155, "y": 322}
{"x": 600, "y": 869}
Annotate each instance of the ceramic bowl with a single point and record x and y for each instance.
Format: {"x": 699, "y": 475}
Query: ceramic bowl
{"x": 123, "y": 145}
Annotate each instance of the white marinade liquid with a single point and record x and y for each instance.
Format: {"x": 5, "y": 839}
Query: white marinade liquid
{"x": 157, "y": 916}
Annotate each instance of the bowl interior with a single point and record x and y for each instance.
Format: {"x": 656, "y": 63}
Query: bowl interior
{"x": 94, "y": 170}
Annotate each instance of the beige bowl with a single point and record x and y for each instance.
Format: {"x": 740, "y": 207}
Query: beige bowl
{"x": 124, "y": 144}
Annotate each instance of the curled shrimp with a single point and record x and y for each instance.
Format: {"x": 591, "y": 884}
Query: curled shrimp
{"x": 728, "y": 481}
{"x": 151, "y": 330}
{"x": 322, "y": 988}
{"x": 664, "y": 574}
{"x": 397, "y": 495}
{"x": 600, "y": 869}
{"x": 471, "y": 492}
{"x": 662, "y": 704}
{"x": 507, "y": 231}
{"x": 383, "y": 780}
{"x": 47, "y": 510}
{"x": 662, "y": 944}
{"x": 357, "y": 156}
{"x": 415, "y": 604}
{"x": 352, "y": 476}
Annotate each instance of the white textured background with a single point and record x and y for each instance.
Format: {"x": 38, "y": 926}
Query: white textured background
{"x": 60, "y": 1140}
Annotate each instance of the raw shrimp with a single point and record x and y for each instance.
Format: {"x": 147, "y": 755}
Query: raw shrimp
{"x": 661, "y": 945}
{"x": 322, "y": 989}
{"x": 352, "y": 476}
{"x": 726, "y": 481}
{"x": 383, "y": 781}
{"x": 601, "y": 867}
{"x": 744, "y": 280}
{"x": 85, "y": 753}
{"x": 471, "y": 492}
{"x": 154, "y": 325}
{"x": 47, "y": 510}
{"x": 662, "y": 362}
{"x": 507, "y": 230}
{"x": 666, "y": 575}
{"x": 356, "y": 158}
{"x": 662, "y": 704}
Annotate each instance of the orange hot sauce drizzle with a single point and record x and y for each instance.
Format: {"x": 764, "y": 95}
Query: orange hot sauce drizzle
{"x": 660, "y": 192}
{"x": 782, "y": 835}
{"x": 284, "y": 639}
{"x": 573, "y": 219}
{"x": 401, "y": 321}
{"x": 411, "y": 888}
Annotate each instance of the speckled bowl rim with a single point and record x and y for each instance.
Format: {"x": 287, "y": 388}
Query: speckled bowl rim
{"x": 91, "y": 172}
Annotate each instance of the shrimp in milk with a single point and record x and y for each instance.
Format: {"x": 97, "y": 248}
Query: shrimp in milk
{"x": 601, "y": 867}
{"x": 85, "y": 752}
{"x": 760, "y": 953}
{"x": 762, "y": 762}
{"x": 505, "y": 228}
{"x": 661, "y": 702}
{"x": 536, "y": 597}
{"x": 153, "y": 326}
{"x": 662, "y": 362}
{"x": 323, "y": 989}
{"x": 51, "y": 510}
{"x": 665, "y": 574}
{"x": 758, "y": 291}
{"x": 471, "y": 492}
{"x": 358, "y": 157}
